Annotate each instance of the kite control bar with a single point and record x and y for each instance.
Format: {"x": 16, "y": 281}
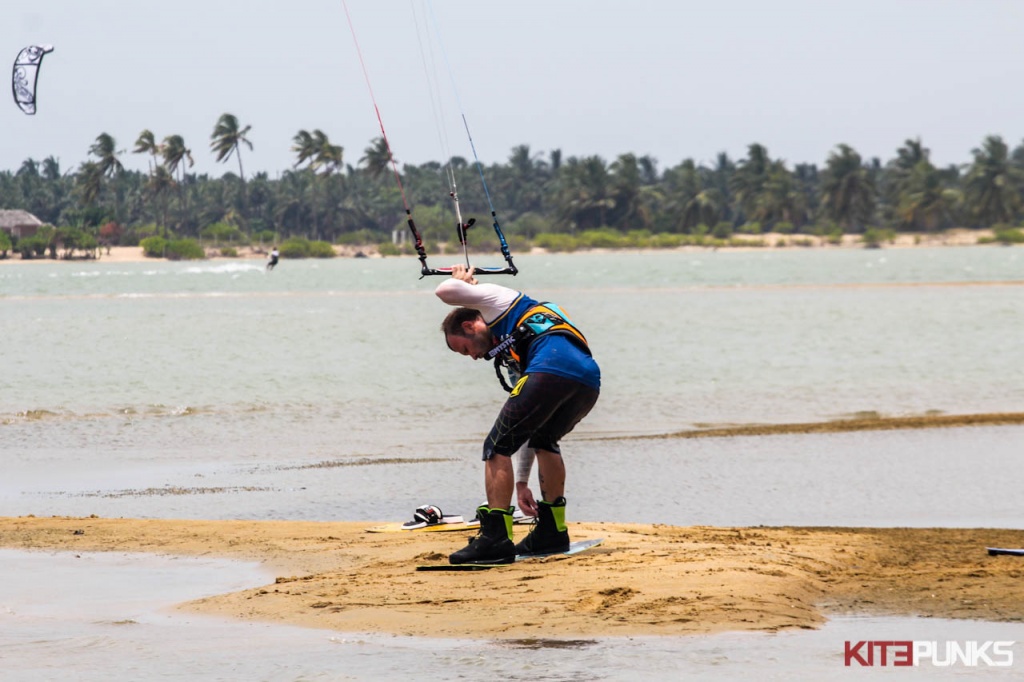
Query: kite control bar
{"x": 426, "y": 270}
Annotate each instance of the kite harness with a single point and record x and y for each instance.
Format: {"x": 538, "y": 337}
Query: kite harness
{"x": 543, "y": 318}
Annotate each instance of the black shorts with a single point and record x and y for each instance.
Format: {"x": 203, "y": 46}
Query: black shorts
{"x": 540, "y": 410}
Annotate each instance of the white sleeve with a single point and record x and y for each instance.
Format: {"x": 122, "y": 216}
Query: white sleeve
{"x": 492, "y": 300}
{"x": 524, "y": 464}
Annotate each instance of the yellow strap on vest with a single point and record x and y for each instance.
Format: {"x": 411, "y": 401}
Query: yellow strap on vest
{"x": 564, "y": 326}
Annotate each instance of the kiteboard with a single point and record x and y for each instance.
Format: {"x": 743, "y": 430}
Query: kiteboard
{"x": 574, "y": 548}
{"x": 994, "y": 551}
{"x": 444, "y": 525}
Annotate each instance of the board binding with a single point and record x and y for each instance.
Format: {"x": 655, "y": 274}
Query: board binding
{"x": 574, "y": 548}
{"x": 444, "y": 526}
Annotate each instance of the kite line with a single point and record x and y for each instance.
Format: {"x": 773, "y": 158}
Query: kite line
{"x": 511, "y": 268}
{"x": 461, "y": 228}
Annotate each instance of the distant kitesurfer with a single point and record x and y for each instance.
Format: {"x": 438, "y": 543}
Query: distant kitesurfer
{"x": 559, "y": 383}
{"x": 274, "y": 255}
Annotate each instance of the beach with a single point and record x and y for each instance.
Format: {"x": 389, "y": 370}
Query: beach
{"x": 772, "y": 240}
{"x": 642, "y": 580}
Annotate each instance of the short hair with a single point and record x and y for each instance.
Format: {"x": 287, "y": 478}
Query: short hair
{"x": 452, "y": 323}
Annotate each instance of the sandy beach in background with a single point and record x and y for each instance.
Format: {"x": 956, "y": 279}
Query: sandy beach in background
{"x": 958, "y": 237}
{"x": 134, "y": 254}
{"x": 643, "y": 580}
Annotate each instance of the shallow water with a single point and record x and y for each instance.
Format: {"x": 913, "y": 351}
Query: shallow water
{"x": 100, "y": 621}
{"x": 215, "y": 390}
{"x": 323, "y": 391}
{"x": 957, "y": 477}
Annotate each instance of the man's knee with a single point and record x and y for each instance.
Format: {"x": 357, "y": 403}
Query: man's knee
{"x": 541, "y": 442}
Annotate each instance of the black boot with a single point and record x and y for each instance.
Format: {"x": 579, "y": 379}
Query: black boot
{"x": 549, "y": 534}
{"x": 493, "y": 545}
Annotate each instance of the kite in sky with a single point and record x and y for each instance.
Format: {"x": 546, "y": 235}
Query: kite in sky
{"x": 26, "y": 73}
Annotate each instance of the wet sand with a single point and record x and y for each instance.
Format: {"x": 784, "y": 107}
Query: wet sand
{"x": 861, "y": 422}
{"x": 643, "y": 580}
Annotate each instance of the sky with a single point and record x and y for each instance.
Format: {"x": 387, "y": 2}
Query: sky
{"x": 672, "y": 80}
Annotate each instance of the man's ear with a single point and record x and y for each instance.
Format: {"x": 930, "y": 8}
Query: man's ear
{"x": 469, "y": 327}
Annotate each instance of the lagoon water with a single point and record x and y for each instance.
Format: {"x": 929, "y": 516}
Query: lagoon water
{"x": 324, "y": 391}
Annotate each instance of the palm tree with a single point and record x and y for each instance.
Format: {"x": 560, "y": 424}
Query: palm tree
{"x": 28, "y": 177}
{"x": 51, "y": 169}
{"x": 330, "y": 159}
{"x": 780, "y": 198}
{"x": 523, "y": 180}
{"x": 808, "y": 184}
{"x": 848, "y": 193}
{"x": 49, "y": 202}
{"x": 683, "y": 184}
{"x": 108, "y": 165}
{"x": 89, "y": 182}
{"x": 555, "y": 160}
{"x": 146, "y": 144}
{"x": 30, "y": 187}
{"x": 328, "y": 156}
{"x": 648, "y": 169}
{"x": 160, "y": 182}
{"x": 925, "y": 202}
{"x": 262, "y": 197}
{"x": 583, "y": 196}
{"x": 992, "y": 184}
{"x": 105, "y": 149}
{"x": 29, "y": 168}
{"x": 316, "y": 151}
{"x": 720, "y": 178}
{"x": 638, "y": 195}
{"x": 766, "y": 192}
{"x": 304, "y": 148}
{"x": 227, "y": 139}
{"x": 749, "y": 179}
{"x": 625, "y": 191}
{"x": 910, "y": 154}
{"x": 175, "y": 154}
{"x": 893, "y": 177}
{"x": 521, "y": 161}
{"x": 705, "y": 208}
{"x": 377, "y": 157}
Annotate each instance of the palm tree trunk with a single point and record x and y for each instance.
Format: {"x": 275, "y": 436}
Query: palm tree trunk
{"x": 241, "y": 175}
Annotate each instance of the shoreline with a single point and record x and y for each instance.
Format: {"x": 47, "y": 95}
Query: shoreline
{"x": 643, "y": 580}
{"x": 773, "y": 241}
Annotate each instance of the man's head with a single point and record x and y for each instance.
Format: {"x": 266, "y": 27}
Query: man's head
{"x": 466, "y": 332}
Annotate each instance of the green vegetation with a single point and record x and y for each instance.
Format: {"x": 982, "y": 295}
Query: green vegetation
{"x": 154, "y": 247}
{"x": 1004, "y": 234}
{"x": 873, "y": 237}
{"x": 300, "y": 247}
{"x": 174, "y": 249}
{"x": 562, "y": 204}
{"x": 185, "y": 249}
{"x": 219, "y": 233}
